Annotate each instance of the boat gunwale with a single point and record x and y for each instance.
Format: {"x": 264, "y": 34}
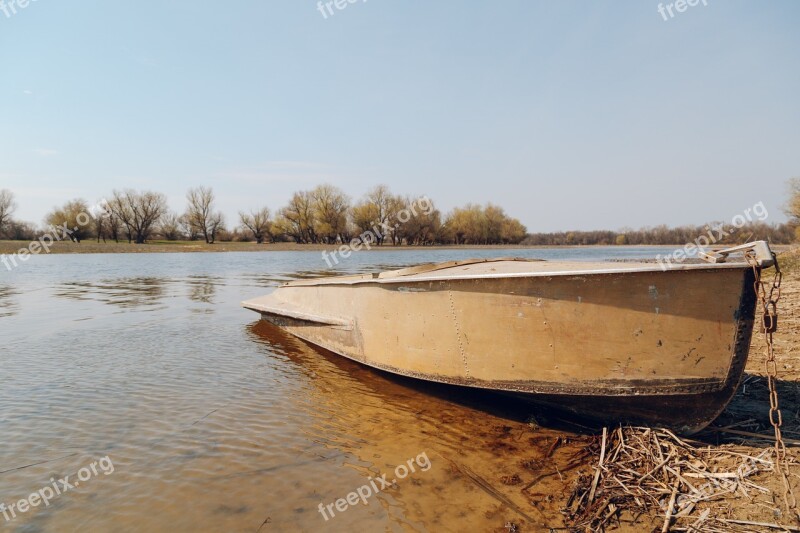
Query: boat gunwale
{"x": 414, "y": 278}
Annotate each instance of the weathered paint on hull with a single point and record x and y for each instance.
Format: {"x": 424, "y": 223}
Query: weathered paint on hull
{"x": 663, "y": 348}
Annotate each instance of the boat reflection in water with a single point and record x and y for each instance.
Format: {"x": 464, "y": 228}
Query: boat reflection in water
{"x": 370, "y": 422}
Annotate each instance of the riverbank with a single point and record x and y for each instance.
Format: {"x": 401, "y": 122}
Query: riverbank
{"x": 93, "y": 247}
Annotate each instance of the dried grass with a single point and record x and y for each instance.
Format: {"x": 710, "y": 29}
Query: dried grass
{"x": 644, "y": 471}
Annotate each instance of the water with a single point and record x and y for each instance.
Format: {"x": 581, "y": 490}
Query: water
{"x": 210, "y": 420}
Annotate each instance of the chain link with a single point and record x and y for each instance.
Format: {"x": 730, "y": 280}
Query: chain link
{"x": 767, "y": 295}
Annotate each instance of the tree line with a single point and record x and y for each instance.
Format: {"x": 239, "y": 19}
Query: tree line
{"x": 326, "y": 215}
{"x": 322, "y": 215}
{"x": 664, "y": 235}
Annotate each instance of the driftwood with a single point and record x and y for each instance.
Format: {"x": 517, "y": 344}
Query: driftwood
{"x": 640, "y": 470}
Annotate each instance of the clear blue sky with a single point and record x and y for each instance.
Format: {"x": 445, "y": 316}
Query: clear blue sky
{"x": 570, "y": 114}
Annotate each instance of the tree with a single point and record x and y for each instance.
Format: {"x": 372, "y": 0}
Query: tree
{"x": 493, "y": 219}
{"x": 514, "y": 232}
{"x": 418, "y": 222}
{"x": 465, "y": 224}
{"x": 121, "y": 210}
{"x": 258, "y": 222}
{"x": 103, "y": 223}
{"x": 20, "y": 231}
{"x": 375, "y": 211}
{"x": 74, "y": 217}
{"x": 792, "y": 209}
{"x": 170, "y": 226}
{"x": 112, "y": 225}
{"x": 100, "y": 229}
{"x": 200, "y": 215}
{"x": 139, "y": 212}
{"x": 297, "y": 219}
{"x": 474, "y": 224}
{"x": 187, "y": 229}
{"x": 364, "y": 215}
{"x": 7, "y": 207}
{"x": 331, "y": 206}
{"x": 216, "y": 224}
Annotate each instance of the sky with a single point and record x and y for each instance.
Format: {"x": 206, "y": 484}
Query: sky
{"x": 568, "y": 114}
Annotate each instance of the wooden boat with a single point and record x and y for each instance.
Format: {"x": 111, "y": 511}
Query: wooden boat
{"x": 637, "y": 343}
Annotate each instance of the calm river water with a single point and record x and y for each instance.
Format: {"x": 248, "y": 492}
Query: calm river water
{"x": 170, "y": 408}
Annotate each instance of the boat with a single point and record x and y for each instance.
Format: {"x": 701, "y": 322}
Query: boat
{"x": 605, "y": 342}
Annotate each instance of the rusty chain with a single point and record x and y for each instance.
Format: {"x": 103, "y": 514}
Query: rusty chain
{"x": 767, "y": 296}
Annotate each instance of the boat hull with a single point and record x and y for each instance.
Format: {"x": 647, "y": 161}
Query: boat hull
{"x": 642, "y": 347}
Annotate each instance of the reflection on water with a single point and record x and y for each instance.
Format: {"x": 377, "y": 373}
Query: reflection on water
{"x": 215, "y": 421}
{"x": 471, "y": 437}
{"x": 268, "y": 280}
{"x": 8, "y": 305}
{"x": 125, "y": 293}
{"x": 202, "y": 288}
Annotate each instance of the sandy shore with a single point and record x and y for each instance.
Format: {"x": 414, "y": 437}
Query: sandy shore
{"x": 749, "y": 410}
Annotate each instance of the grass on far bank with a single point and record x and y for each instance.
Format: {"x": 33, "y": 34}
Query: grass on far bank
{"x": 156, "y": 246}
{"x": 160, "y": 246}
{"x": 790, "y": 255}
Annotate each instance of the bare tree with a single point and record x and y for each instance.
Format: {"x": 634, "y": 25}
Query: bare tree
{"x": 112, "y": 223}
{"x": 215, "y": 224}
{"x": 120, "y": 207}
{"x": 187, "y": 229}
{"x": 170, "y": 226}
{"x": 139, "y": 212}
{"x": 100, "y": 226}
{"x": 7, "y": 207}
{"x": 21, "y": 231}
{"x": 258, "y": 222}
{"x": 103, "y": 223}
{"x": 106, "y": 225}
{"x": 200, "y": 215}
{"x": 792, "y": 208}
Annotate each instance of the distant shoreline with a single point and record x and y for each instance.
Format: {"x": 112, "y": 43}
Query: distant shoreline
{"x": 93, "y": 247}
